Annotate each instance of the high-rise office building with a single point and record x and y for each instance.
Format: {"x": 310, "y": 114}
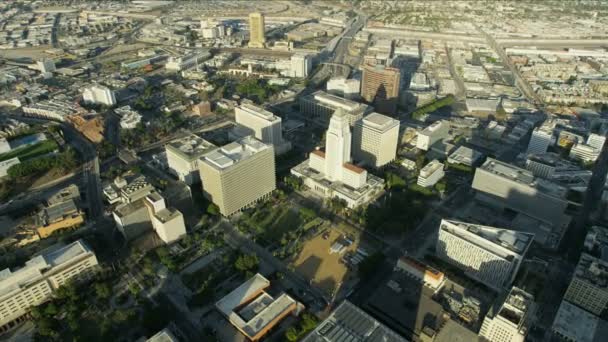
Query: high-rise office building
{"x": 168, "y": 223}
{"x": 489, "y": 255}
{"x": 262, "y": 124}
{"x": 541, "y": 139}
{"x": 510, "y": 321}
{"x": 375, "y": 139}
{"x": 596, "y": 141}
{"x": 239, "y": 174}
{"x": 380, "y": 86}
{"x": 257, "y": 31}
{"x": 34, "y": 283}
{"x": 584, "y": 152}
{"x": 589, "y": 286}
{"x": 348, "y": 88}
{"x": 301, "y": 65}
{"x": 99, "y": 94}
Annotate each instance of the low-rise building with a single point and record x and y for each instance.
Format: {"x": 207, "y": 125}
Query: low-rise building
{"x": 98, "y": 94}
{"x": 431, "y": 173}
{"x": 437, "y": 131}
{"x": 34, "y": 283}
{"x": 584, "y": 152}
{"x": 431, "y": 277}
{"x": 129, "y": 118}
{"x": 57, "y": 217}
{"x": 465, "y": 156}
{"x": 252, "y": 310}
{"x": 319, "y": 107}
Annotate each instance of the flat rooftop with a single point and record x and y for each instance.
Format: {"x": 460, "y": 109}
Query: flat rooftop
{"x": 523, "y": 176}
{"x": 348, "y": 323}
{"x": 167, "y": 214}
{"x": 430, "y": 168}
{"x": 190, "y": 147}
{"x": 592, "y": 270}
{"x": 258, "y": 112}
{"x": 37, "y": 266}
{"x": 464, "y": 155}
{"x": 434, "y": 127}
{"x": 251, "y": 310}
{"x": 379, "y": 122}
{"x": 337, "y": 102}
{"x": 514, "y": 241}
{"x": 576, "y": 324}
{"x": 234, "y": 152}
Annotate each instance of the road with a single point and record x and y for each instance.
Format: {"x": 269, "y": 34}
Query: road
{"x": 235, "y": 238}
{"x": 523, "y": 85}
{"x": 460, "y": 88}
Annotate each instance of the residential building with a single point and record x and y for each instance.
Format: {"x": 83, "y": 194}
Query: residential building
{"x": 239, "y": 174}
{"x": 168, "y": 223}
{"x": 331, "y": 173}
{"x": 301, "y": 65}
{"x": 257, "y": 31}
{"x": 435, "y": 132}
{"x": 98, "y": 94}
{"x": 349, "y": 323}
{"x": 34, "y": 283}
{"x": 254, "y": 312}
{"x": 506, "y": 186}
{"x": 375, "y": 140}
{"x": 183, "y": 157}
{"x": 510, "y": 321}
{"x": 541, "y": 139}
{"x": 347, "y": 88}
{"x": 263, "y": 125}
{"x": 589, "y": 286}
{"x": 319, "y": 107}
{"x": 584, "y": 152}
{"x": 380, "y": 86}
{"x": 431, "y": 173}
{"x": 489, "y": 255}
{"x": 57, "y": 217}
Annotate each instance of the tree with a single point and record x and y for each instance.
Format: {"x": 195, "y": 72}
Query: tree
{"x": 394, "y": 181}
{"x": 307, "y": 214}
{"x": 213, "y": 209}
{"x": 247, "y": 262}
{"x": 51, "y": 310}
{"x": 103, "y": 290}
{"x": 291, "y": 334}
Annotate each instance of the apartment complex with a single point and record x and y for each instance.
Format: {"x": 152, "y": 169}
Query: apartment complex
{"x": 262, "y": 124}
{"x": 380, "y": 86}
{"x": 257, "y": 31}
{"x": 589, "y": 286}
{"x": 183, "y": 156}
{"x": 510, "y": 321}
{"x": 239, "y": 174}
{"x": 320, "y": 106}
{"x": 251, "y": 310}
{"x": 375, "y": 140}
{"x": 489, "y": 255}
{"x": 34, "y": 283}
{"x": 98, "y": 94}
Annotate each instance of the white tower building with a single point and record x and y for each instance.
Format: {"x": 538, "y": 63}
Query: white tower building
{"x": 100, "y": 95}
{"x": 338, "y": 144}
{"x": 301, "y": 65}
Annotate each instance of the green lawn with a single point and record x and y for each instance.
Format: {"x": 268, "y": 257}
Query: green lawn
{"x": 288, "y": 220}
{"x": 27, "y": 152}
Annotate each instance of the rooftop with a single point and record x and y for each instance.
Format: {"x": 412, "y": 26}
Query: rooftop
{"x": 127, "y": 209}
{"x": 592, "y": 270}
{"x": 454, "y": 332}
{"x": 35, "y": 267}
{"x": 464, "y": 155}
{"x": 164, "y": 335}
{"x": 511, "y": 240}
{"x": 337, "y": 102}
{"x": 516, "y": 306}
{"x": 190, "y": 147}
{"x": 167, "y": 214}
{"x": 430, "y": 168}
{"x": 234, "y": 152}
{"x": 523, "y": 176}
{"x": 349, "y": 323}
{"x": 258, "y": 112}
{"x": 379, "y": 122}
{"x": 576, "y": 324}
{"x": 58, "y": 210}
{"x": 434, "y": 127}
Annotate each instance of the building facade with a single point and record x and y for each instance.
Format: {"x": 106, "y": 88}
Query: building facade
{"x": 435, "y": 132}
{"x": 301, "y": 65}
{"x": 35, "y": 283}
{"x": 510, "y": 321}
{"x": 319, "y": 107}
{"x": 431, "y": 173}
{"x": 540, "y": 141}
{"x": 375, "y": 140}
{"x": 263, "y": 125}
{"x": 257, "y": 31}
{"x": 489, "y": 255}
{"x": 99, "y": 94}
{"x": 589, "y": 286}
{"x": 239, "y": 174}
{"x": 183, "y": 156}
{"x": 380, "y": 86}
